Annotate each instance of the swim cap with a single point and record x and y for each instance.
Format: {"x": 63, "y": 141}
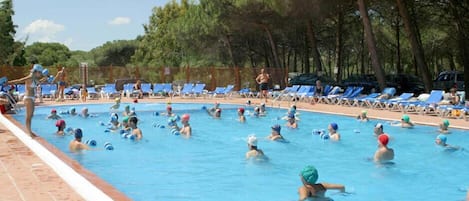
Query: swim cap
{"x": 72, "y": 109}
{"x": 185, "y": 117}
{"x": 114, "y": 117}
{"x": 241, "y": 110}
{"x": 117, "y": 99}
{"x": 442, "y": 138}
{"x": 125, "y": 119}
{"x": 53, "y": 111}
{"x": 364, "y": 112}
{"x": 78, "y": 133}
{"x": 446, "y": 122}
{"x": 310, "y": 174}
{"x": 276, "y": 128}
{"x": 383, "y": 139}
{"x": 379, "y": 125}
{"x": 218, "y": 110}
{"x": 45, "y": 72}
{"x": 334, "y": 126}
{"x": 37, "y": 68}
{"x": 252, "y": 140}
{"x": 59, "y": 123}
{"x": 169, "y": 107}
{"x": 406, "y": 118}
{"x": 135, "y": 100}
{"x": 127, "y": 107}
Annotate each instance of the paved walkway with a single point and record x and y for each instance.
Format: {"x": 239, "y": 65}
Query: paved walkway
{"x": 23, "y": 176}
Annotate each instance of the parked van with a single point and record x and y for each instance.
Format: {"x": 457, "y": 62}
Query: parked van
{"x": 448, "y": 79}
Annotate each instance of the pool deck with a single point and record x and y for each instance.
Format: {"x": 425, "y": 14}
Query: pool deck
{"x": 24, "y": 176}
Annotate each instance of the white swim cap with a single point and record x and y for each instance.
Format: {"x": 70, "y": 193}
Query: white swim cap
{"x": 252, "y": 140}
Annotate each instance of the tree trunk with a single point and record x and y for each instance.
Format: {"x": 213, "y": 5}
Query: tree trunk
{"x": 314, "y": 46}
{"x": 379, "y": 73}
{"x": 273, "y": 46}
{"x": 230, "y": 50}
{"x": 339, "y": 45}
{"x": 398, "y": 45}
{"x": 415, "y": 46}
{"x": 463, "y": 41}
{"x": 307, "y": 65}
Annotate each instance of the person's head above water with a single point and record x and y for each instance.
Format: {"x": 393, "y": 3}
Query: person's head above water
{"x": 60, "y": 123}
{"x": 441, "y": 139}
{"x": 241, "y": 110}
{"x": 309, "y": 174}
{"x": 446, "y": 122}
{"x": 405, "y": 118}
{"x": 78, "y": 133}
{"x": 276, "y": 128}
{"x": 185, "y": 118}
{"x": 334, "y": 126}
{"x": 383, "y": 139}
{"x": 252, "y": 140}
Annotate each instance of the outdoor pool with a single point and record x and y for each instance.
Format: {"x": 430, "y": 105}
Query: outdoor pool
{"x": 211, "y": 165}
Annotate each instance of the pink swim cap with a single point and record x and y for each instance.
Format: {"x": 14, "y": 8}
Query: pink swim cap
{"x": 383, "y": 139}
{"x": 53, "y": 111}
{"x": 241, "y": 110}
{"x": 185, "y": 117}
{"x": 59, "y": 123}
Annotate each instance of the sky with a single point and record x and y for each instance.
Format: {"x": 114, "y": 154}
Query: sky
{"x": 81, "y": 24}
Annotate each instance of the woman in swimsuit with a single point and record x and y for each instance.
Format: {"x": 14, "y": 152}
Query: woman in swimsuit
{"x": 61, "y": 75}
{"x": 31, "y": 82}
{"x": 311, "y": 189}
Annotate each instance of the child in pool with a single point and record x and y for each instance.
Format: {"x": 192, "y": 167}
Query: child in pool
{"x": 311, "y": 189}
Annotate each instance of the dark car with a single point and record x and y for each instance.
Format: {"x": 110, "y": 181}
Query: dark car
{"x": 405, "y": 83}
{"x": 120, "y": 82}
{"x": 309, "y": 79}
{"x": 367, "y": 81}
{"x": 449, "y": 79}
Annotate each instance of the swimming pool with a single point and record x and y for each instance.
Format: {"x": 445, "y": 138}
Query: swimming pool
{"x": 211, "y": 164}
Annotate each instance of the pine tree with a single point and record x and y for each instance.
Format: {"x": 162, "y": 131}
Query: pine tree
{"x": 7, "y": 32}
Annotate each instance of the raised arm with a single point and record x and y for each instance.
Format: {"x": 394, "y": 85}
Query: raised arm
{"x": 339, "y": 187}
{"x": 21, "y": 80}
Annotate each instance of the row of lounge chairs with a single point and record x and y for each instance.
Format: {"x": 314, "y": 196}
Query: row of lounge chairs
{"x": 428, "y": 104}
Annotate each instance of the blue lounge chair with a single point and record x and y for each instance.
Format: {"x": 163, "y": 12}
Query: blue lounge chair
{"x": 345, "y": 99}
{"x": 109, "y": 90}
{"x": 361, "y": 101}
{"x": 92, "y": 94}
{"x": 423, "y": 106}
{"x": 48, "y": 90}
{"x": 390, "y": 103}
{"x": 186, "y": 90}
{"x": 128, "y": 89}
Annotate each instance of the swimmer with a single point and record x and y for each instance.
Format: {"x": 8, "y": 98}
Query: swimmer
{"x": 215, "y": 107}
{"x": 126, "y": 111}
{"x": 241, "y": 116}
{"x": 84, "y": 112}
{"x": 215, "y": 114}
{"x": 135, "y": 130}
{"x": 383, "y": 153}
{"x": 262, "y": 109}
{"x": 441, "y": 141}
{"x": 444, "y": 126}
{"x": 291, "y": 123}
{"x": 125, "y": 124}
{"x": 248, "y": 103}
{"x": 362, "y": 116}
{"x": 333, "y": 134}
{"x": 172, "y": 122}
{"x": 114, "y": 122}
{"x": 76, "y": 144}
{"x": 169, "y": 111}
{"x": 378, "y": 129}
{"x": 311, "y": 189}
{"x": 53, "y": 115}
{"x": 257, "y": 111}
{"x": 60, "y": 124}
{"x": 73, "y": 111}
{"x": 253, "y": 151}
{"x": 186, "y": 127}
{"x": 405, "y": 122}
{"x": 275, "y": 135}
{"x": 116, "y": 105}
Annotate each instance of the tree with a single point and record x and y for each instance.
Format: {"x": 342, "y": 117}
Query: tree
{"x": 369, "y": 36}
{"x": 47, "y": 54}
{"x": 7, "y": 33}
{"x": 116, "y": 53}
{"x": 415, "y": 45}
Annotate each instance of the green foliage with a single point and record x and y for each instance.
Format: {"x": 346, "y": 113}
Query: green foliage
{"x": 47, "y": 54}
{"x": 115, "y": 53}
{"x": 7, "y": 33}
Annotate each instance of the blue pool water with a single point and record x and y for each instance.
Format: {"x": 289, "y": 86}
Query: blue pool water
{"x": 211, "y": 165}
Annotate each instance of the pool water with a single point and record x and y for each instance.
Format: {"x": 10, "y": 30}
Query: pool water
{"x": 211, "y": 165}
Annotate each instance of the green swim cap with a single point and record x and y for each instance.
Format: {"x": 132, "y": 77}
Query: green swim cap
{"x": 125, "y": 119}
{"x": 406, "y": 118}
{"x": 310, "y": 174}
{"x": 446, "y": 122}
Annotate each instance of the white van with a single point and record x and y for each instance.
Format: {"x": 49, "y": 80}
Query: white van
{"x": 449, "y": 79}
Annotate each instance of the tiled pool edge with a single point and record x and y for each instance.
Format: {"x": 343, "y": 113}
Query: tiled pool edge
{"x": 78, "y": 182}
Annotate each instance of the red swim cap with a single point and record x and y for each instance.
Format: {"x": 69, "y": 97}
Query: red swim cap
{"x": 53, "y": 110}
{"x": 185, "y": 117}
{"x": 59, "y": 122}
{"x": 241, "y": 110}
{"x": 383, "y": 139}
{"x": 169, "y": 107}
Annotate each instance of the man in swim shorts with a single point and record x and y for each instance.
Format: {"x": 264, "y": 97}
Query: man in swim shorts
{"x": 76, "y": 144}
{"x": 263, "y": 80}
{"x": 252, "y": 146}
{"x": 60, "y": 78}
{"x": 311, "y": 189}
{"x": 383, "y": 153}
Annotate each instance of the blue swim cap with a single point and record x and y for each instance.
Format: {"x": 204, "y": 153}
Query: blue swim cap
{"x": 37, "y": 68}
{"x": 277, "y": 128}
{"x": 310, "y": 174}
{"x": 442, "y": 138}
{"x": 45, "y": 72}
{"x": 78, "y": 133}
{"x": 334, "y": 126}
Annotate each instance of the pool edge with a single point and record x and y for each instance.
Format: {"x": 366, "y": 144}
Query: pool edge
{"x": 85, "y": 183}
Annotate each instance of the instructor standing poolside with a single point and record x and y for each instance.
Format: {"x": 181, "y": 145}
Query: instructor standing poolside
{"x": 263, "y": 80}
{"x": 60, "y": 78}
